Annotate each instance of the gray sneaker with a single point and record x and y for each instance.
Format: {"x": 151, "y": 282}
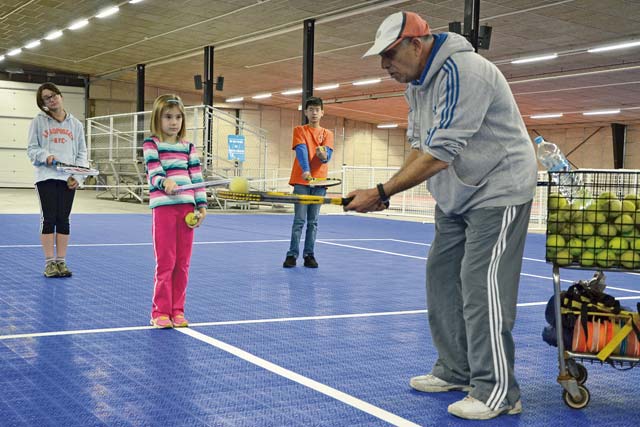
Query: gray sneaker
{"x": 432, "y": 384}
{"x": 63, "y": 269}
{"x": 51, "y": 269}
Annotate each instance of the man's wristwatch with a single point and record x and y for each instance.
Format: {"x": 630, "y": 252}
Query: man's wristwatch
{"x": 383, "y": 196}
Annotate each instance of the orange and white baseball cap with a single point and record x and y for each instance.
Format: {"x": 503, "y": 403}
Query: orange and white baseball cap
{"x": 396, "y": 27}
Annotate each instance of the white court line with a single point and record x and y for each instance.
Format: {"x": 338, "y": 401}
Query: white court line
{"x": 307, "y": 382}
{"x": 251, "y": 321}
{"x": 222, "y": 323}
{"x": 328, "y": 242}
{"x": 74, "y": 332}
{"x": 410, "y": 242}
{"x": 245, "y": 322}
{"x": 219, "y": 242}
{"x": 369, "y": 250}
{"x": 424, "y": 258}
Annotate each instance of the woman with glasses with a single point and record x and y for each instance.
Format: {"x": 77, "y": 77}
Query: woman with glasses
{"x": 55, "y": 135}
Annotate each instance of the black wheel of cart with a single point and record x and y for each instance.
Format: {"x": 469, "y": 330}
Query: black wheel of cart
{"x": 581, "y": 402}
{"x": 577, "y": 371}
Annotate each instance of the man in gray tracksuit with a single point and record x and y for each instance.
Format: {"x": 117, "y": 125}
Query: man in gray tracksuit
{"x": 468, "y": 139}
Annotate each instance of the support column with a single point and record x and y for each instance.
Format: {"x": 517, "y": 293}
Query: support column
{"x": 140, "y": 75}
{"x": 307, "y": 63}
{"x": 208, "y": 101}
{"x": 619, "y": 133}
{"x": 472, "y": 21}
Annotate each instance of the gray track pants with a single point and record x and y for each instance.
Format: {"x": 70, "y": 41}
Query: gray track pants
{"x": 473, "y": 272}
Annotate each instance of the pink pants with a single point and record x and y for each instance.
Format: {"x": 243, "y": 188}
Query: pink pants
{"x": 172, "y": 243}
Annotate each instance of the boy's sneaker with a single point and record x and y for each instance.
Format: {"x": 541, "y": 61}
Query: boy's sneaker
{"x": 63, "y": 269}
{"x": 162, "y": 322}
{"x": 310, "y": 261}
{"x": 289, "y": 262}
{"x": 179, "y": 321}
{"x": 472, "y": 409}
{"x": 51, "y": 269}
{"x": 432, "y": 384}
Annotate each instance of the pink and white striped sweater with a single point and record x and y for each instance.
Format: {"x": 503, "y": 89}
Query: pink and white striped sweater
{"x": 178, "y": 161}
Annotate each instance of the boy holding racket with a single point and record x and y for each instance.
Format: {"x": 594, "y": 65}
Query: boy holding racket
{"x": 55, "y": 136}
{"x": 313, "y": 145}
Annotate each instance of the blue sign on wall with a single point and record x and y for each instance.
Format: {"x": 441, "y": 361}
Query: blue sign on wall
{"x": 236, "y": 147}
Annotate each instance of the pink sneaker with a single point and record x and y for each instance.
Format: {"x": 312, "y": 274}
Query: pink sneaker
{"x": 162, "y": 322}
{"x": 179, "y": 321}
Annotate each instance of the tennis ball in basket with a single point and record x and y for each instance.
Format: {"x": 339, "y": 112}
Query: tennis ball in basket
{"x": 587, "y": 258}
{"x": 575, "y": 246}
{"x": 606, "y": 258}
{"x": 618, "y": 244}
{"x": 557, "y": 201}
{"x": 624, "y": 223}
{"x": 606, "y": 195}
{"x": 594, "y": 215}
{"x": 594, "y": 243}
{"x": 563, "y": 257}
{"x": 191, "y": 219}
{"x": 607, "y": 230}
{"x": 615, "y": 209}
{"x": 583, "y": 231}
{"x": 630, "y": 259}
{"x": 555, "y": 241}
{"x": 239, "y": 184}
{"x": 628, "y": 206}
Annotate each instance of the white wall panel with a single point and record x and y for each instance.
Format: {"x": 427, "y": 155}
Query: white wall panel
{"x": 17, "y": 109}
{"x": 17, "y": 170}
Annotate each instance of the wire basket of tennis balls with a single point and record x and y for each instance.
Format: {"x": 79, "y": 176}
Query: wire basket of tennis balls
{"x": 596, "y": 224}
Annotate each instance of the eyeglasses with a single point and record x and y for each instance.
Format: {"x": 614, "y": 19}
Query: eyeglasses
{"x": 50, "y": 97}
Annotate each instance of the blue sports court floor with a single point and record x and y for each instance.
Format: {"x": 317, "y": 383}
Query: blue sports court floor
{"x": 267, "y": 346}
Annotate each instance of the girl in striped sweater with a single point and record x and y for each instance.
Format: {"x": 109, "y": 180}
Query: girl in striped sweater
{"x": 170, "y": 162}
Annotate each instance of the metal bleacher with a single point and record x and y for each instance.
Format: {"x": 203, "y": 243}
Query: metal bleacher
{"x": 115, "y": 146}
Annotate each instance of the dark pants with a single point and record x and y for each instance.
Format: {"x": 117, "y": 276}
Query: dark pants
{"x": 56, "y": 200}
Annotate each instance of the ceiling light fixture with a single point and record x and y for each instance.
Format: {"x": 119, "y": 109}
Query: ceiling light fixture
{"x": 546, "y": 116}
{"x": 53, "y": 35}
{"x": 1, "y": 58}
{"x": 32, "y": 44}
{"x": 262, "y": 96}
{"x": 329, "y": 87}
{"x": 14, "y": 52}
{"x": 299, "y": 107}
{"x": 387, "y": 126}
{"x": 79, "y": 24}
{"x": 236, "y": 99}
{"x": 291, "y": 92}
{"x": 108, "y": 12}
{"x": 597, "y": 113}
{"x": 535, "y": 59}
{"x": 134, "y": 1}
{"x": 366, "y": 82}
{"x": 614, "y": 47}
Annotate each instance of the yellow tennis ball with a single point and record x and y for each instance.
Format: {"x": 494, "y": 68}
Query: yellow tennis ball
{"x": 191, "y": 219}
{"x": 239, "y": 184}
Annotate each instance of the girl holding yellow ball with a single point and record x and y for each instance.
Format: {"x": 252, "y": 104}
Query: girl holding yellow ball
{"x": 170, "y": 162}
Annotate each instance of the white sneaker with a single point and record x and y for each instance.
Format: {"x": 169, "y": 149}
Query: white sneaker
{"x": 473, "y": 409}
{"x": 432, "y": 384}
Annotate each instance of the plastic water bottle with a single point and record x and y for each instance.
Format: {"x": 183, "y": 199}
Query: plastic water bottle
{"x": 554, "y": 161}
